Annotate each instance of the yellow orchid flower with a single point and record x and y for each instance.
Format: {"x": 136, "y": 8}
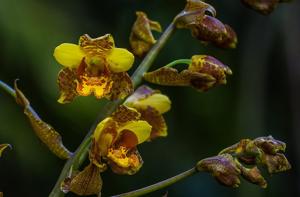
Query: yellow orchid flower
{"x": 115, "y": 140}
{"x": 93, "y": 66}
{"x": 151, "y": 104}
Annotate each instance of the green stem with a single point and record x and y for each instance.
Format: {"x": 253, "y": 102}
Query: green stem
{"x": 160, "y": 185}
{"x": 82, "y": 151}
{"x": 8, "y": 89}
{"x": 180, "y": 61}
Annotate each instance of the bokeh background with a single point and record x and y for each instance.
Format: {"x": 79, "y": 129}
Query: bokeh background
{"x": 261, "y": 98}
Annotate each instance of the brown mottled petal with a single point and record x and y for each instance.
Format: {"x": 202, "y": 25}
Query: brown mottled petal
{"x": 127, "y": 139}
{"x": 67, "y": 82}
{"x": 125, "y": 114}
{"x": 269, "y": 144}
{"x": 262, "y": 6}
{"x": 48, "y": 135}
{"x": 135, "y": 163}
{"x": 193, "y": 13}
{"x": 122, "y": 86}
{"x": 141, "y": 38}
{"x": 210, "y": 30}
{"x": 170, "y": 77}
{"x": 254, "y": 176}
{"x": 223, "y": 168}
{"x": 86, "y": 182}
{"x": 156, "y": 120}
{"x": 96, "y": 46}
{"x": 276, "y": 163}
{"x": 211, "y": 66}
{"x": 229, "y": 40}
{"x": 3, "y": 147}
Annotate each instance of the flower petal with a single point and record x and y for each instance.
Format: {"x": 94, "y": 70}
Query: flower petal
{"x": 86, "y": 182}
{"x": 122, "y": 86}
{"x": 125, "y": 114}
{"x": 193, "y": 13}
{"x": 156, "y": 120}
{"x": 119, "y": 60}
{"x": 141, "y": 128}
{"x": 140, "y": 93}
{"x": 104, "y": 135}
{"x": 45, "y": 132}
{"x": 209, "y": 65}
{"x": 170, "y": 77}
{"x": 68, "y": 55}
{"x": 158, "y": 101}
{"x": 123, "y": 162}
{"x": 100, "y": 85}
{"x": 67, "y": 82}
{"x": 141, "y": 38}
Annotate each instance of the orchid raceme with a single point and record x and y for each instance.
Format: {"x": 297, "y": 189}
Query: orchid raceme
{"x": 206, "y": 27}
{"x": 151, "y": 104}
{"x": 203, "y": 73}
{"x": 93, "y": 66}
{"x": 115, "y": 140}
{"x": 141, "y": 38}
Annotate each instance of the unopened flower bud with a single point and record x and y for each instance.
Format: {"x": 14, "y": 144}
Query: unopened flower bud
{"x": 223, "y": 168}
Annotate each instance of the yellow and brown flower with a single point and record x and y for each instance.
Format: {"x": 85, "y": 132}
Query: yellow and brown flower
{"x": 203, "y": 73}
{"x": 93, "y": 66}
{"x": 151, "y": 104}
{"x": 199, "y": 17}
{"x": 141, "y": 38}
{"x": 115, "y": 140}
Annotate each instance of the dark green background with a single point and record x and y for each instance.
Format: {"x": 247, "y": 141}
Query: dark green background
{"x": 261, "y": 98}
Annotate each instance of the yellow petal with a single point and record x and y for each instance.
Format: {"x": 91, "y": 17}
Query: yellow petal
{"x": 142, "y": 129}
{"x": 68, "y": 55}
{"x": 158, "y": 101}
{"x": 100, "y": 127}
{"x": 119, "y": 60}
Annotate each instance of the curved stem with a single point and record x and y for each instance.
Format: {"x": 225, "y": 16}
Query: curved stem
{"x": 159, "y": 185}
{"x": 82, "y": 151}
{"x": 8, "y": 89}
{"x": 180, "y": 61}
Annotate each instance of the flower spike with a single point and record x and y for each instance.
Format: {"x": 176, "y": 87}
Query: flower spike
{"x": 141, "y": 38}
{"x": 203, "y": 73}
{"x": 94, "y": 66}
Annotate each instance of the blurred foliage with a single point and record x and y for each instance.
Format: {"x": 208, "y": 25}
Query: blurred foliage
{"x": 261, "y": 98}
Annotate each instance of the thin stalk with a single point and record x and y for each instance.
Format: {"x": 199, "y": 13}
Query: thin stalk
{"x": 160, "y": 185}
{"x": 8, "y": 89}
{"x": 180, "y": 61}
{"x": 82, "y": 151}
